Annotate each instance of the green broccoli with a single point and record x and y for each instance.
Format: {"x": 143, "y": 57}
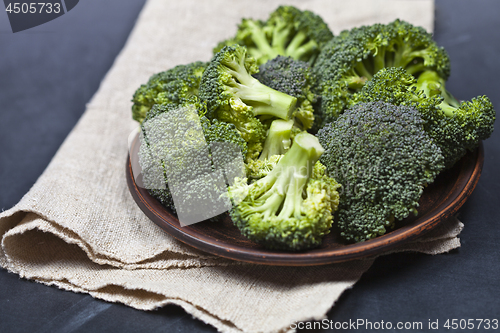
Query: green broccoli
{"x": 291, "y": 207}
{"x": 350, "y": 59}
{"x": 383, "y": 159}
{"x": 174, "y": 86}
{"x": 278, "y": 141}
{"x": 233, "y": 95}
{"x": 476, "y": 117}
{"x": 212, "y": 143}
{"x": 295, "y": 78}
{"x": 288, "y": 32}
{"x": 454, "y": 126}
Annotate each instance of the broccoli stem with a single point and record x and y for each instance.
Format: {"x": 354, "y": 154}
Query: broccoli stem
{"x": 263, "y": 99}
{"x": 415, "y": 68}
{"x": 305, "y": 50}
{"x": 379, "y": 60}
{"x": 362, "y": 71}
{"x": 281, "y": 34}
{"x": 450, "y": 99}
{"x": 449, "y": 105}
{"x": 389, "y": 59}
{"x": 400, "y": 55}
{"x": 293, "y": 199}
{"x": 278, "y": 139}
{"x": 296, "y": 42}
{"x": 412, "y": 61}
{"x": 432, "y": 84}
{"x": 414, "y": 55}
{"x": 259, "y": 38}
{"x": 368, "y": 63}
{"x": 271, "y": 203}
{"x": 297, "y": 49}
{"x": 406, "y": 58}
{"x": 288, "y": 179}
{"x": 257, "y": 54}
{"x": 447, "y": 109}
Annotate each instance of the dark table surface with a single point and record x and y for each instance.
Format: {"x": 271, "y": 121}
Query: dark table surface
{"x": 48, "y": 73}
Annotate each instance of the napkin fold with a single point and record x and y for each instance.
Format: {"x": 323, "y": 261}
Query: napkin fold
{"x": 79, "y": 229}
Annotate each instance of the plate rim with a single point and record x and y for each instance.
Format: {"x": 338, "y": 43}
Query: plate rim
{"x": 362, "y": 250}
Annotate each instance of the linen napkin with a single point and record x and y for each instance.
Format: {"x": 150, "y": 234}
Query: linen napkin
{"x": 79, "y": 229}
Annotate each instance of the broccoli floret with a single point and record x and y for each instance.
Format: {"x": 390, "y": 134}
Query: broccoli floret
{"x": 288, "y": 32}
{"x": 295, "y": 78}
{"x": 212, "y": 143}
{"x": 221, "y": 132}
{"x": 475, "y": 118}
{"x": 174, "y": 86}
{"x": 291, "y": 207}
{"x": 350, "y": 59}
{"x": 233, "y": 95}
{"x": 256, "y": 169}
{"x": 454, "y": 126}
{"x": 228, "y": 86}
{"x": 292, "y": 77}
{"x": 295, "y": 33}
{"x": 383, "y": 159}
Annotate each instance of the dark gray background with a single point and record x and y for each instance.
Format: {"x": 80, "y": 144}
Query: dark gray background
{"x": 48, "y": 73}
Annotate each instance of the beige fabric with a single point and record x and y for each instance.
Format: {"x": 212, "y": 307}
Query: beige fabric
{"x": 79, "y": 229}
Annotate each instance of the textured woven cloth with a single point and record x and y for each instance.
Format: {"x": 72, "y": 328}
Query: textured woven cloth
{"x": 79, "y": 229}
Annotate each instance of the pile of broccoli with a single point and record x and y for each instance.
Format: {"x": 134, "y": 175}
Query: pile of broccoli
{"x": 346, "y": 129}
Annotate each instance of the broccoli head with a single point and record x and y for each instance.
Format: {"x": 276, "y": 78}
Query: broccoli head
{"x": 295, "y": 78}
{"x": 288, "y": 32}
{"x": 290, "y": 207}
{"x": 383, "y": 159}
{"x": 204, "y": 146}
{"x": 174, "y": 86}
{"x": 350, "y": 59}
{"x": 454, "y": 126}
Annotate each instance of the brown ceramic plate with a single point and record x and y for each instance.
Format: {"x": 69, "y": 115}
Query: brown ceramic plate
{"x": 439, "y": 201}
